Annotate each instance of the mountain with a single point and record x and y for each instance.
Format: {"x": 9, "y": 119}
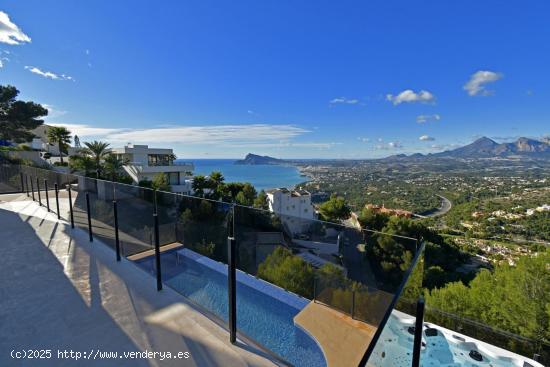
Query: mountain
{"x": 485, "y": 147}
{"x": 252, "y": 159}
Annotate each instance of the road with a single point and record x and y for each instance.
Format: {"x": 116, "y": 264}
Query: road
{"x": 445, "y": 206}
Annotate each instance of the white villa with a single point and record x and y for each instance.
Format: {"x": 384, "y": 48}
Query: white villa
{"x": 145, "y": 163}
{"x": 293, "y": 205}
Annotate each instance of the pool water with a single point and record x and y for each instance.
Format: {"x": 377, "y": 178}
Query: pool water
{"x": 395, "y": 345}
{"x": 265, "y": 319}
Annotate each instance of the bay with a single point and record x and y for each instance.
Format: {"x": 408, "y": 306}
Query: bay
{"x": 262, "y": 177}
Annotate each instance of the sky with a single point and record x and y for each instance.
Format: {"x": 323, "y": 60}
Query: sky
{"x": 290, "y": 79}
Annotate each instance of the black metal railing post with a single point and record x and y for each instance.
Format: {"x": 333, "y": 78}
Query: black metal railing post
{"x": 90, "y": 234}
{"x": 117, "y": 241}
{"x": 47, "y": 195}
{"x": 56, "y": 188}
{"x": 22, "y": 184}
{"x": 232, "y": 289}
{"x": 32, "y": 189}
{"x": 417, "y": 344}
{"x": 70, "y": 205}
{"x": 157, "y": 252}
{"x": 38, "y": 191}
{"x": 27, "y": 184}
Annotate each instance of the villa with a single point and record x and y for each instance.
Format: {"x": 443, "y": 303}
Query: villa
{"x": 144, "y": 163}
{"x": 293, "y": 205}
{"x": 91, "y": 252}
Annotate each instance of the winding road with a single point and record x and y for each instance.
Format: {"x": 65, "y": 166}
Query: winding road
{"x": 445, "y": 206}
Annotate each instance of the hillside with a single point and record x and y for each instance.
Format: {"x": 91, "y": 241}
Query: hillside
{"x": 254, "y": 159}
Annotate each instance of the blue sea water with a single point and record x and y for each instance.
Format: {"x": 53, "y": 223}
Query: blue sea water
{"x": 262, "y": 177}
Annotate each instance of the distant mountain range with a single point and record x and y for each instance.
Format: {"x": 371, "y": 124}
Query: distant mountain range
{"x": 481, "y": 148}
{"x": 485, "y": 147}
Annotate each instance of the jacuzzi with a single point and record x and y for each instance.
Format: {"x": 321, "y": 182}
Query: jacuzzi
{"x": 440, "y": 347}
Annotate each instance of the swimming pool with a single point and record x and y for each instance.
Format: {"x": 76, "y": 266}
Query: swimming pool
{"x": 440, "y": 347}
{"x": 260, "y": 316}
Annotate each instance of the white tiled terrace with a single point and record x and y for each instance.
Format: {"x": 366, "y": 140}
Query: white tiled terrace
{"x": 60, "y": 292}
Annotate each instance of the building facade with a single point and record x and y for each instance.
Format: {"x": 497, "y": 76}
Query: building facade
{"x": 145, "y": 163}
{"x": 294, "y": 206}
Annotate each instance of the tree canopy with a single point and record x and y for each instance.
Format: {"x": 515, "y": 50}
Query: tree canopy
{"x": 288, "y": 271}
{"x": 61, "y": 136}
{"x": 97, "y": 150}
{"x": 17, "y": 118}
{"x": 335, "y": 209}
{"x": 160, "y": 182}
{"x": 512, "y": 298}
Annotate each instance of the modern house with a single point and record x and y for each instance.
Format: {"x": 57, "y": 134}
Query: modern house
{"x": 145, "y": 163}
{"x": 105, "y": 297}
{"x": 293, "y": 205}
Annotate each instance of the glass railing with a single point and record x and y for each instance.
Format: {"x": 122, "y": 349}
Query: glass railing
{"x": 308, "y": 292}
{"x": 316, "y": 283}
{"x": 10, "y": 179}
{"x": 393, "y": 341}
{"x": 193, "y": 235}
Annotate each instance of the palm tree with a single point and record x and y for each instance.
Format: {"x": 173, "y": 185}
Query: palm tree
{"x": 113, "y": 165}
{"x": 61, "y": 136}
{"x": 216, "y": 178}
{"x": 199, "y": 184}
{"x": 81, "y": 162}
{"x": 98, "y": 150}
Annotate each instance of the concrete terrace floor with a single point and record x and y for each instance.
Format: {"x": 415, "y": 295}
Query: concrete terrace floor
{"x": 60, "y": 292}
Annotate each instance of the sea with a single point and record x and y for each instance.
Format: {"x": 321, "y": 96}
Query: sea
{"x": 262, "y": 177}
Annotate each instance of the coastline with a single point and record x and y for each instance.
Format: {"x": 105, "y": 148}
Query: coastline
{"x": 262, "y": 177}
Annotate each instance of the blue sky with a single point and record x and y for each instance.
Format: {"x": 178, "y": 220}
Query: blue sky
{"x": 340, "y": 79}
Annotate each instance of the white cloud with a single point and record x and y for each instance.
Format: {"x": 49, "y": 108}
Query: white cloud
{"x": 235, "y": 135}
{"x": 478, "y": 80}
{"x": 343, "y": 100}
{"x": 426, "y": 138}
{"x": 410, "y": 96}
{"x": 283, "y": 144}
{"x": 364, "y": 140}
{"x": 390, "y": 145}
{"x": 421, "y": 119}
{"x": 53, "y": 112}
{"x": 11, "y": 33}
{"x": 83, "y": 130}
{"x": 48, "y": 74}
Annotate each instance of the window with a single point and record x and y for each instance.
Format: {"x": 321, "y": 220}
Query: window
{"x": 159, "y": 159}
{"x": 173, "y": 178}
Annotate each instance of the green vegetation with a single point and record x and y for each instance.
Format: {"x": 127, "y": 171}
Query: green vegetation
{"x": 335, "y": 209}
{"x": 97, "y": 151}
{"x": 60, "y": 136}
{"x": 160, "y": 182}
{"x": 288, "y": 271}
{"x": 17, "y": 118}
{"x": 113, "y": 168}
{"x": 261, "y": 201}
{"x": 511, "y": 298}
{"x": 214, "y": 187}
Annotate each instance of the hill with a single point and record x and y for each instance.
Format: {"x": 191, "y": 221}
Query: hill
{"x": 254, "y": 159}
{"x": 485, "y": 147}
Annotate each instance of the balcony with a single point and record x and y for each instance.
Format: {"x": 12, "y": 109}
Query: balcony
{"x": 233, "y": 289}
